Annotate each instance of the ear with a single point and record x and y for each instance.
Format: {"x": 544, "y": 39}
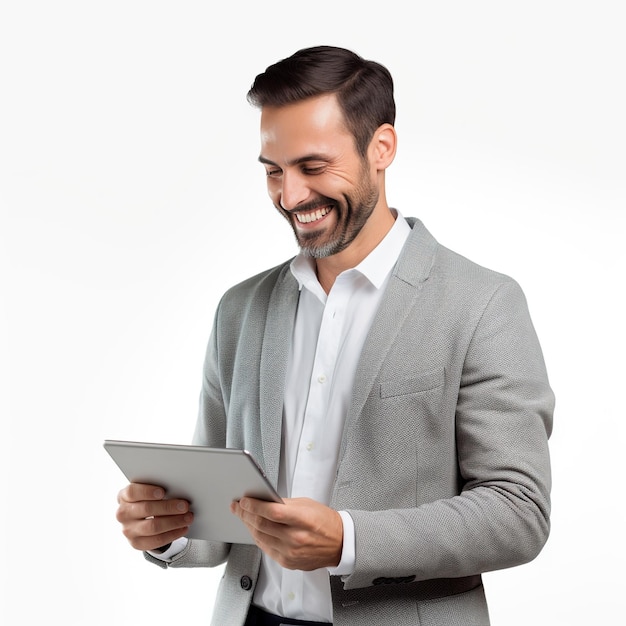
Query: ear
{"x": 383, "y": 146}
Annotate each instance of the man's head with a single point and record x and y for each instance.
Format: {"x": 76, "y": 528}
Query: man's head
{"x": 364, "y": 89}
{"x": 326, "y": 139}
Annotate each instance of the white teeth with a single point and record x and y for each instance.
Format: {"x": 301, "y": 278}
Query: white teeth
{"x": 307, "y": 218}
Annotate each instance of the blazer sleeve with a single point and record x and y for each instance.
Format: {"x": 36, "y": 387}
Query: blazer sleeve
{"x": 503, "y": 419}
{"x": 210, "y": 431}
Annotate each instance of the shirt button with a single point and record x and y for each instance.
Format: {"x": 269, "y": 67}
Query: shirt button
{"x": 310, "y": 446}
{"x": 291, "y": 595}
{"x": 321, "y": 379}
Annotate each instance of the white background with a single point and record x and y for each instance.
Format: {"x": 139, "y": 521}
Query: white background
{"x": 131, "y": 198}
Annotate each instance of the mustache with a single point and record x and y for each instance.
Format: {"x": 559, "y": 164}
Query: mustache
{"x": 312, "y": 205}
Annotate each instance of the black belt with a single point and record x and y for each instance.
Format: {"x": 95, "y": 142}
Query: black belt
{"x": 258, "y": 617}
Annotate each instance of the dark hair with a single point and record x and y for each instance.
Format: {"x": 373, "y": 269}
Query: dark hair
{"x": 364, "y": 89}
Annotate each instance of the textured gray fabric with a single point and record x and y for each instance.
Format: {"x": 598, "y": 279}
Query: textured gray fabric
{"x": 444, "y": 462}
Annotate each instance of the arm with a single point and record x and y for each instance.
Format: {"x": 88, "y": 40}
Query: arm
{"x": 500, "y": 515}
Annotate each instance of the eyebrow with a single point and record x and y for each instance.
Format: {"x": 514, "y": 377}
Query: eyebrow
{"x": 298, "y": 161}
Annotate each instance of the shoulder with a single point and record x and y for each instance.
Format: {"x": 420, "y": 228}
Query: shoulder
{"x": 447, "y": 276}
{"x": 456, "y": 268}
{"x": 257, "y": 289}
{"x": 426, "y": 259}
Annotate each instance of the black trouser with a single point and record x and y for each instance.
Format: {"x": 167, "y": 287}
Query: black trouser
{"x": 258, "y": 617}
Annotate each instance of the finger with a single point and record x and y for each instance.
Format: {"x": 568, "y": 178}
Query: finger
{"x": 155, "y": 526}
{"x": 276, "y": 512}
{"x": 158, "y": 541}
{"x": 154, "y": 533}
{"x": 260, "y": 527}
{"x": 129, "y": 511}
{"x": 134, "y": 492}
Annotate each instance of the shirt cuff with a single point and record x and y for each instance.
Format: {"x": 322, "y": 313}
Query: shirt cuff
{"x": 348, "y": 552}
{"x": 176, "y": 547}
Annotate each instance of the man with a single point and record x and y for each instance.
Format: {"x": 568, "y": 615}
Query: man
{"x": 394, "y": 391}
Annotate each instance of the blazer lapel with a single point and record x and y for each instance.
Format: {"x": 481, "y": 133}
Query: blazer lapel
{"x": 412, "y": 269}
{"x": 274, "y": 356}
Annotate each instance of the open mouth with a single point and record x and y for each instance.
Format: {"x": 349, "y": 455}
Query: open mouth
{"x": 313, "y": 216}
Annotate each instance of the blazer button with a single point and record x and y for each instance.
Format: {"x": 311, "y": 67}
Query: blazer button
{"x": 246, "y": 583}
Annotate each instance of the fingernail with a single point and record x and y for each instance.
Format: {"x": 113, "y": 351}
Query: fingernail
{"x": 181, "y": 506}
{"x": 158, "y": 493}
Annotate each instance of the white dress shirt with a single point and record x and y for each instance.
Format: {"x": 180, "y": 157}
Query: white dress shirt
{"x": 328, "y": 336}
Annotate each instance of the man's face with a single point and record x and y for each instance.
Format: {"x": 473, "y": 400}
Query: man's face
{"x": 315, "y": 176}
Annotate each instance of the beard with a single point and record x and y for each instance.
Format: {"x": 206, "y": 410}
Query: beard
{"x": 351, "y": 213}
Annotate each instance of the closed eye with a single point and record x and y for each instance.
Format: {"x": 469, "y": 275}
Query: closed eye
{"x": 312, "y": 171}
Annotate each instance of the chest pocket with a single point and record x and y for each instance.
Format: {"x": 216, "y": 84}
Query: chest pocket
{"x": 417, "y": 384}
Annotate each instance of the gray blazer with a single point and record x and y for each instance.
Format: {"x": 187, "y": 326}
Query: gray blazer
{"x": 444, "y": 462}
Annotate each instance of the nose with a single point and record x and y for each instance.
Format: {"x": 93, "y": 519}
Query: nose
{"x": 294, "y": 190}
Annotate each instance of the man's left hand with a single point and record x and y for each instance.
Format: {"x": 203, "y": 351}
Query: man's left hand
{"x": 299, "y": 534}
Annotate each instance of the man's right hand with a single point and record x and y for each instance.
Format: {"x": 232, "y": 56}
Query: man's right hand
{"x": 148, "y": 520}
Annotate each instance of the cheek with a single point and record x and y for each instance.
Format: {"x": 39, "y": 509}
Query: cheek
{"x": 273, "y": 192}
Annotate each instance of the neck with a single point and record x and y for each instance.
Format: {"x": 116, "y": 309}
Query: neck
{"x": 377, "y": 227}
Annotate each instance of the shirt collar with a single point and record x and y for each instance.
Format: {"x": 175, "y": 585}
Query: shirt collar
{"x": 375, "y": 266}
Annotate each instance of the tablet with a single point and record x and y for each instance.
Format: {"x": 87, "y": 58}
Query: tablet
{"x": 209, "y": 478}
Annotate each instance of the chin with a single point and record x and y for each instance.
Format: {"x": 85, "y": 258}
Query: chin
{"x": 321, "y": 251}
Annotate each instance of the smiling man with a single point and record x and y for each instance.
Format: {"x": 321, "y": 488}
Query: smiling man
{"x": 394, "y": 391}
{"x": 329, "y": 192}
{"x": 318, "y": 181}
